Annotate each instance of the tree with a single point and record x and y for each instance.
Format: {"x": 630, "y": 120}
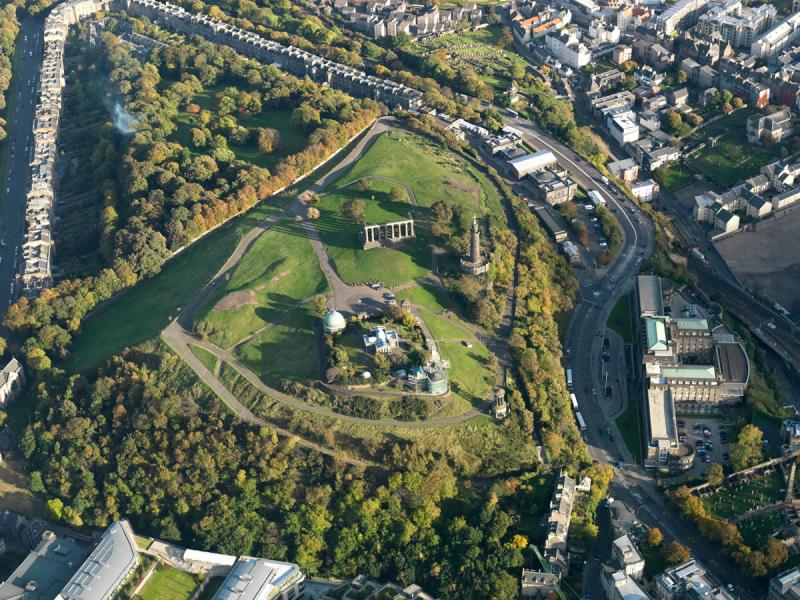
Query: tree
{"x": 746, "y": 452}
{"x": 775, "y": 553}
{"x": 267, "y": 140}
{"x": 312, "y": 213}
{"x": 714, "y": 474}
{"x": 354, "y": 209}
{"x": 672, "y": 121}
{"x": 682, "y": 77}
{"x": 397, "y": 194}
{"x": 654, "y": 537}
{"x": 674, "y": 553}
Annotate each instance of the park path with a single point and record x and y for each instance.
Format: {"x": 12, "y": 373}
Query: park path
{"x": 179, "y": 337}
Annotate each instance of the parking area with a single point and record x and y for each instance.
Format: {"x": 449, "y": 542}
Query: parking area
{"x": 708, "y": 438}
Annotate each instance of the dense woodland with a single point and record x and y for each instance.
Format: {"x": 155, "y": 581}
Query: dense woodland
{"x": 9, "y": 28}
{"x": 158, "y": 194}
{"x": 143, "y": 439}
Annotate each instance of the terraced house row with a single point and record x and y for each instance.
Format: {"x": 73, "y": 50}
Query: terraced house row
{"x": 38, "y": 247}
{"x": 291, "y": 59}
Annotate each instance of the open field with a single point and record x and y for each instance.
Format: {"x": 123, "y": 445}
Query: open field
{"x": 674, "y": 176}
{"x": 731, "y": 501}
{"x": 141, "y": 312}
{"x": 760, "y": 260}
{"x": 286, "y": 350}
{"x": 409, "y": 260}
{"x": 279, "y": 271}
{"x": 732, "y": 158}
{"x": 432, "y": 174}
{"x": 168, "y": 584}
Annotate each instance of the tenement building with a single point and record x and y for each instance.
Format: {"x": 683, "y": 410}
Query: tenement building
{"x": 688, "y": 368}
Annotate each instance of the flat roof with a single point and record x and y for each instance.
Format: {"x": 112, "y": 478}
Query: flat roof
{"x": 689, "y": 372}
{"x": 650, "y": 301}
{"x": 49, "y": 566}
{"x": 661, "y": 415}
{"x": 257, "y": 579}
{"x": 656, "y": 334}
{"x": 107, "y": 566}
{"x": 690, "y": 324}
{"x": 732, "y": 363}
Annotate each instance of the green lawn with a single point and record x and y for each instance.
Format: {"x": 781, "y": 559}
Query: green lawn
{"x": 432, "y": 174}
{"x": 286, "y": 351}
{"x": 209, "y": 361}
{"x": 341, "y": 236}
{"x": 168, "y": 584}
{"x": 279, "y": 270}
{"x": 730, "y": 501}
{"x": 674, "y": 176}
{"x": 732, "y": 159}
{"x": 620, "y": 319}
{"x": 628, "y": 424}
{"x": 141, "y": 312}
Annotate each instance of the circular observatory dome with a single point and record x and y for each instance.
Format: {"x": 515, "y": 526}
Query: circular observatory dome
{"x": 333, "y": 321}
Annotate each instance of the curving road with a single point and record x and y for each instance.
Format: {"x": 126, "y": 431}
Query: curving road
{"x": 600, "y": 291}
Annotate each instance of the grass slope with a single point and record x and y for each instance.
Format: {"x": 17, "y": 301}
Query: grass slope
{"x": 141, "y": 312}
{"x": 432, "y": 173}
{"x": 279, "y": 270}
{"x": 285, "y": 351}
{"x": 620, "y": 319}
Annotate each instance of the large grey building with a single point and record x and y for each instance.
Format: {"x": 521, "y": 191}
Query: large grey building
{"x": 261, "y": 579}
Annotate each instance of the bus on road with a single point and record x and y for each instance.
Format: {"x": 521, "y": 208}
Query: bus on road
{"x": 581, "y": 422}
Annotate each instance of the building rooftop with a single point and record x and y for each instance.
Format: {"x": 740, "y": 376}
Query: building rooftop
{"x": 46, "y": 570}
{"x": 107, "y": 566}
{"x": 656, "y": 335}
{"x": 661, "y": 415}
{"x": 257, "y": 579}
{"x": 650, "y": 301}
{"x": 690, "y": 324}
{"x": 689, "y": 372}
{"x": 732, "y": 363}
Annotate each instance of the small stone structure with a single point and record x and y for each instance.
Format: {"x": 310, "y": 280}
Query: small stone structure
{"x": 379, "y": 236}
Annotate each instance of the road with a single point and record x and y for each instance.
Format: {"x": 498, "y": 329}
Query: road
{"x": 600, "y": 291}
{"x": 16, "y": 179}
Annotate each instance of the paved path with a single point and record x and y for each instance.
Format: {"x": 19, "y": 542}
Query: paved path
{"x": 355, "y": 298}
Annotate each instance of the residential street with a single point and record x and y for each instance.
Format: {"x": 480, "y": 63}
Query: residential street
{"x": 16, "y": 179}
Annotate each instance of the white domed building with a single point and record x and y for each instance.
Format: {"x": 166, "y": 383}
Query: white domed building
{"x": 333, "y": 322}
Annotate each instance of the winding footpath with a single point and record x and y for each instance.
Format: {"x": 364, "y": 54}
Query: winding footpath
{"x": 179, "y": 337}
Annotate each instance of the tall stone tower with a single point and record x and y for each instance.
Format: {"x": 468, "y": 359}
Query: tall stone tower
{"x": 475, "y": 242}
{"x": 474, "y": 263}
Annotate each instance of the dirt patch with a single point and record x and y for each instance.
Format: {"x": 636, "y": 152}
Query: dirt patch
{"x": 275, "y": 278}
{"x": 235, "y": 300}
{"x": 762, "y": 261}
{"x": 14, "y": 490}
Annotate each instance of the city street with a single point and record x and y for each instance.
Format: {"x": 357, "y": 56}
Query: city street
{"x": 20, "y": 139}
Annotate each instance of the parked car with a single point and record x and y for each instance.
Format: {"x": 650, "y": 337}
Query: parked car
{"x": 709, "y": 446}
{"x": 725, "y": 456}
